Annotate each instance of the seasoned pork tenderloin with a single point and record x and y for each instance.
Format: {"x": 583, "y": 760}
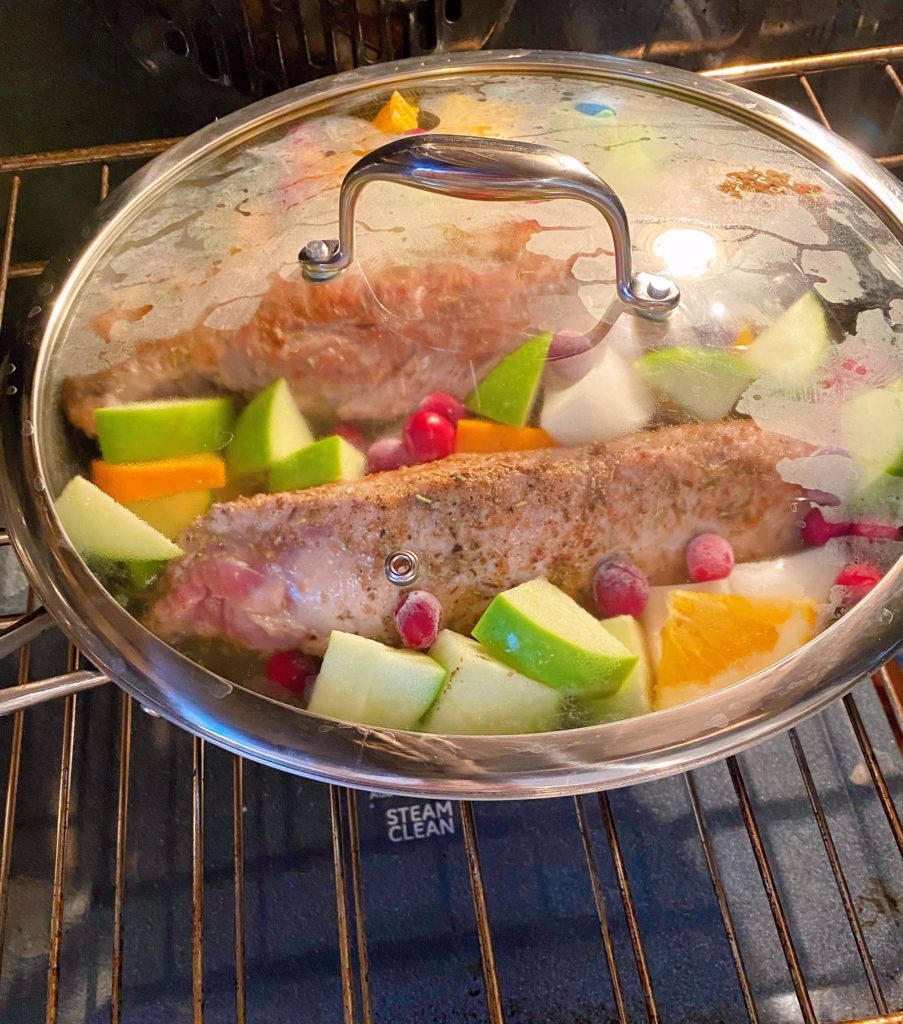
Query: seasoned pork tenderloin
{"x": 283, "y": 570}
{"x": 357, "y": 347}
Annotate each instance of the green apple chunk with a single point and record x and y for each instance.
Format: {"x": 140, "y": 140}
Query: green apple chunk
{"x": 322, "y": 462}
{"x": 540, "y": 631}
{"x": 634, "y": 696}
{"x": 483, "y": 697}
{"x": 794, "y": 346}
{"x": 507, "y": 393}
{"x": 144, "y": 574}
{"x": 99, "y": 527}
{"x": 269, "y": 429}
{"x": 872, "y": 427}
{"x": 364, "y": 681}
{"x": 705, "y": 383}
{"x": 880, "y": 498}
{"x": 172, "y": 513}
{"x": 148, "y": 431}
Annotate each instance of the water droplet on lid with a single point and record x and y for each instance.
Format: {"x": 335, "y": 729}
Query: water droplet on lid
{"x": 33, "y": 312}
{"x": 45, "y": 288}
{"x": 38, "y": 484}
{"x": 12, "y": 389}
{"x": 219, "y": 688}
{"x": 9, "y": 368}
{"x": 887, "y": 615}
{"x": 27, "y": 428}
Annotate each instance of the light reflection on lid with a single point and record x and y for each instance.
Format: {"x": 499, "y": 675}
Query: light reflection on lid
{"x": 687, "y": 252}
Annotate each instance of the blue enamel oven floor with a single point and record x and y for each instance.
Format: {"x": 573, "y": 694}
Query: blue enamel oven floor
{"x": 250, "y": 895}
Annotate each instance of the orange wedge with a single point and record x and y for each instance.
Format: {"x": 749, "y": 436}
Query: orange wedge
{"x": 710, "y": 641}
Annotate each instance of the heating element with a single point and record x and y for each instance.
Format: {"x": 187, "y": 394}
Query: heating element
{"x": 256, "y": 47}
{"x": 146, "y": 876}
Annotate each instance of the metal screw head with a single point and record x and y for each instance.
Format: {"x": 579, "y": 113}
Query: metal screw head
{"x": 318, "y": 251}
{"x": 402, "y": 568}
{"x": 658, "y": 287}
{"x": 318, "y": 259}
{"x": 651, "y": 296}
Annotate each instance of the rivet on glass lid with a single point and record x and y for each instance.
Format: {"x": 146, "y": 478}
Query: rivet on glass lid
{"x": 497, "y": 170}
{"x": 402, "y": 568}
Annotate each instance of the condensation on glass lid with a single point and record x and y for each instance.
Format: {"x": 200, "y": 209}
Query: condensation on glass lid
{"x": 196, "y": 254}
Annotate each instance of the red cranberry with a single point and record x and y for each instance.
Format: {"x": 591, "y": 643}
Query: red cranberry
{"x": 387, "y": 453}
{"x": 620, "y": 588}
{"x": 418, "y": 618}
{"x": 568, "y": 343}
{"x": 293, "y": 670}
{"x": 857, "y": 579}
{"x": 445, "y": 405}
{"x": 429, "y": 436}
{"x": 709, "y": 557}
{"x": 858, "y": 574}
{"x": 818, "y": 531}
{"x": 353, "y": 434}
{"x": 874, "y": 530}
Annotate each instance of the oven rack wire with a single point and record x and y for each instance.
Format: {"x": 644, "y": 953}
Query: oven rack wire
{"x": 631, "y": 970}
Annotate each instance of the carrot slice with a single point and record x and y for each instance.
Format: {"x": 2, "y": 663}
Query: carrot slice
{"x": 745, "y": 337}
{"x": 480, "y": 436}
{"x": 139, "y": 481}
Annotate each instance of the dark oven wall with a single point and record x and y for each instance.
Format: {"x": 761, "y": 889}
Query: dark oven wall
{"x": 77, "y": 72}
{"x": 252, "y": 47}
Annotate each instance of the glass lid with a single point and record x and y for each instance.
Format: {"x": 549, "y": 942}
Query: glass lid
{"x": 600, "y": 414}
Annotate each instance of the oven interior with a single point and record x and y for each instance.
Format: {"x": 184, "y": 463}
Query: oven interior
{"x": 146, "y": 876}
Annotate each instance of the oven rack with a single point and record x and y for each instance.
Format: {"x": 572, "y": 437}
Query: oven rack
{"x": 145, "y": 875}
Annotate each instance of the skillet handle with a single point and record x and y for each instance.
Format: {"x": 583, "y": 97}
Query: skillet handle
{"x": 489, "y": 169}
{"x": 24, "y": 630}
{"x": 18, "y": 698}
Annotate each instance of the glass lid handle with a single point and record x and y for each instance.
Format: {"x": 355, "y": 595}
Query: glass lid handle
{"x": 489, "y": 169}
